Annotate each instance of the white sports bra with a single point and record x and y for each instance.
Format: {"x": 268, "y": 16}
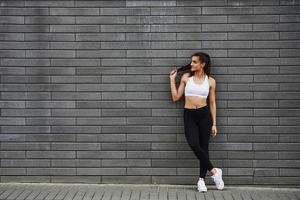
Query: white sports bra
{"x": 194, "y": 89}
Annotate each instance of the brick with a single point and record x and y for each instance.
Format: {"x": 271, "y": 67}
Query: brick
{"x": 74, "y": 11}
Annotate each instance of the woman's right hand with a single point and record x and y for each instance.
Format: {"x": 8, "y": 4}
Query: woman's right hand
{"x": 173, "y": 74}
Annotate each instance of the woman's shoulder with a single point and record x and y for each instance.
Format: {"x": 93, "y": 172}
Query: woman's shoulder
{"x": 211, "y": 81}
{"x": 211, "y": 78}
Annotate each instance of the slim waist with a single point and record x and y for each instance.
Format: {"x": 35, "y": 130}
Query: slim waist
{"x": 197, "y": 109}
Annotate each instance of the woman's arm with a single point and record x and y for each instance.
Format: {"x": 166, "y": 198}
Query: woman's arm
{"x": 177, "y": 94}
{"x": 212, "y": 101}
{"x": 173, "y": 89}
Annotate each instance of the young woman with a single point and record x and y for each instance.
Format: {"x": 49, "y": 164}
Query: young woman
{"x": 199, "y": 117}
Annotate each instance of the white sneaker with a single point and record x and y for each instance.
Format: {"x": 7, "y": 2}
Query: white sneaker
{"x": 201, "y": 185}
{"x": 217, "y": 178}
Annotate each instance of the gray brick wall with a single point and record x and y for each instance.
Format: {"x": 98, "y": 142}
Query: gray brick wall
{"x": 85, "y": 93}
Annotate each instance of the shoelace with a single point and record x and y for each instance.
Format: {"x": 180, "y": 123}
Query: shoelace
{"x": 201, "y": 183}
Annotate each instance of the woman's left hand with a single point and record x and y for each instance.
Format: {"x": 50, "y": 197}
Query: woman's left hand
{"x": 213, "y": 131}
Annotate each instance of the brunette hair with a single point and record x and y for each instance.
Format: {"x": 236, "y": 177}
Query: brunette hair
{"x": 203, "y": 57}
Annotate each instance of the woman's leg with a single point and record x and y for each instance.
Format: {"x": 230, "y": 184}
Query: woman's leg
{"x": 204, "y": 124}
{"x": 192, "y": 136}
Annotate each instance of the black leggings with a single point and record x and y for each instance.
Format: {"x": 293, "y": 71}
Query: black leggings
{"x": 197, "y": 127}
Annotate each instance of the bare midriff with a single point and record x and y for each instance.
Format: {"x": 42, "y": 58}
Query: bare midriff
{"x": 194, "y": 102}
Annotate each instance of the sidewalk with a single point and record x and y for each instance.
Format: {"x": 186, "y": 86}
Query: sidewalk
{"x": 51, "y": 191}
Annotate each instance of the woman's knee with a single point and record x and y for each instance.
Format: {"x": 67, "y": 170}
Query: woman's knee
{"x": 193, "y": 144}
{"x": 196, "y": 147}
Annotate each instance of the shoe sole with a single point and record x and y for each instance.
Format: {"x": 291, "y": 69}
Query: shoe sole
{"x": 202, "y": 190}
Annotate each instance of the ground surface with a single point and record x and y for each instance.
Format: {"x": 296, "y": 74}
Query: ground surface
{"x": 53, "y": 191}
